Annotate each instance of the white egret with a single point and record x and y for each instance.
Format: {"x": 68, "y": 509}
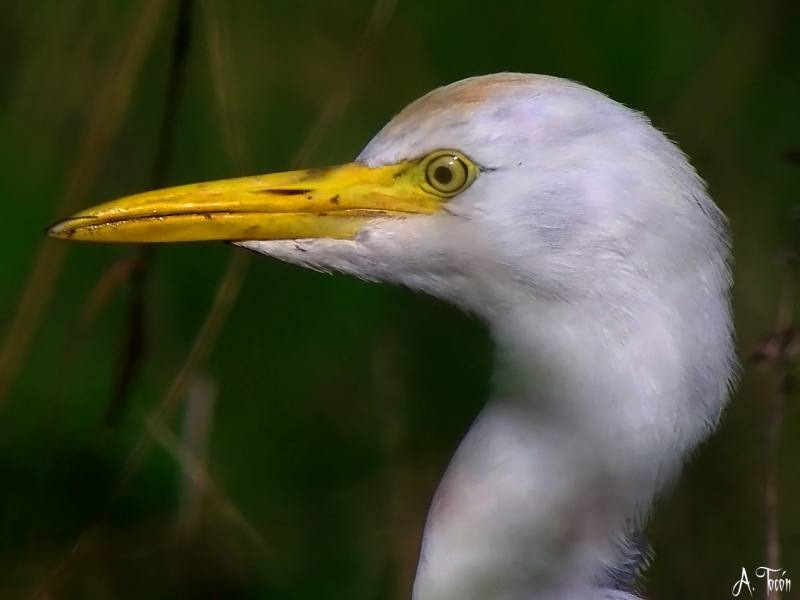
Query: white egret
{"x": 585, "y": 241}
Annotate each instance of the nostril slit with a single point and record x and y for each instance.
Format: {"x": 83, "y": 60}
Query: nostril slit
{"x": 284, "y": 192}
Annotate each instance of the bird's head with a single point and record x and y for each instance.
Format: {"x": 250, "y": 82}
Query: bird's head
{"x": 487, "y": 190}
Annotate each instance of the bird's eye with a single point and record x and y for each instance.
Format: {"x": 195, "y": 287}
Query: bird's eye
{"x": 447, "y": 172}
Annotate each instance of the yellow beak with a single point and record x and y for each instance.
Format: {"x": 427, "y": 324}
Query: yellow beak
{"x": 315, "y": 203}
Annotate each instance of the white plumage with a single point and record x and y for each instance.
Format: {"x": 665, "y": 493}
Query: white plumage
{"x": 589, "y": 246}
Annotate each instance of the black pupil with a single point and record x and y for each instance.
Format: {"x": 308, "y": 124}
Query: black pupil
{"x": 443, "y": 175}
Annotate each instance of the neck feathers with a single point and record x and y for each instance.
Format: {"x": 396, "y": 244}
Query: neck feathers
{"x": 592, "y": 416}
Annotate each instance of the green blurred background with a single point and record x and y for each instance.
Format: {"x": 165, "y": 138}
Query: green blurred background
{"x": 331, "y": 405}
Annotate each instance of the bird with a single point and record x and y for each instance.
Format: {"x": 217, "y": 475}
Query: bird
{"x": 589, "y": 246}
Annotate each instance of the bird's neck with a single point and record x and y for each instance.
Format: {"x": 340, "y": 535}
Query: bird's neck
{"x": 562, "y": 464}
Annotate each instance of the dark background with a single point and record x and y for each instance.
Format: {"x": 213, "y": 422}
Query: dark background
{"x": 336, "y": 403}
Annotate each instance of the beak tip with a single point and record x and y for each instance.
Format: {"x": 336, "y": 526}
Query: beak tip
{"x": 56, "y": 230}
{"x": 63, "y": 229}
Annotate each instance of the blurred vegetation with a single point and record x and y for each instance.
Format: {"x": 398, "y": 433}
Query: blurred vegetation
{"x": 320, "y": 417}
